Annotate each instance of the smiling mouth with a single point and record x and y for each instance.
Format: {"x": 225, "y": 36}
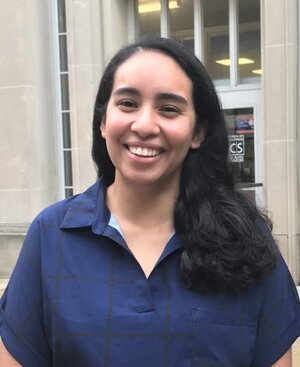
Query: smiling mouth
{"x": 143, "y": 151}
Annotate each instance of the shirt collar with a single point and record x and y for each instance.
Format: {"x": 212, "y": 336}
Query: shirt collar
{"x": 88, "y": 210}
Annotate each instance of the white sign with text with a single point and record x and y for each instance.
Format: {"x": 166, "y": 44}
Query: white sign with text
{"x": 236, "y": 148}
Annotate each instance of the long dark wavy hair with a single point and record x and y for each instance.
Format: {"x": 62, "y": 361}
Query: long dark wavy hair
{"x": 226, "y": 240}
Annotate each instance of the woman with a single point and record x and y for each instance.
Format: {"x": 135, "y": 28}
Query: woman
{"x": 162, "y": 262}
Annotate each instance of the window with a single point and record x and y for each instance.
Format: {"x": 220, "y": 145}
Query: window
{"x": 216, "y": 31}
{"x": 241, "y": 128}
{"x": 64, "y": 92}
{"x": 249, "y": 60}
{"x": 149, "y": 18}
{"x": 182, "y": 23}
{"x": 225, "y": 34}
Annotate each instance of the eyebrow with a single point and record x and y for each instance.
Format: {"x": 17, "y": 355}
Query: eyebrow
{"x": 126, "y": 90}
{"x": 173, "y": 97}
{"x": 160, "y": 96}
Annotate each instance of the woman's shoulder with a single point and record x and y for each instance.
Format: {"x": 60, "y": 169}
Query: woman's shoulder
{"x": 280, "y": 280}
{"x": 77, "y": 206}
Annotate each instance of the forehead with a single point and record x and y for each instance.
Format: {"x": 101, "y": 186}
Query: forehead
{"x": 152, "y": 68}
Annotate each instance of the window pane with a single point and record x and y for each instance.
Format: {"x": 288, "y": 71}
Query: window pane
{"x": 66, "y": 130}
{"x": 63, "y": 53}
{"x": 240, "y": 126}
{"x": 216, "y": 29}
{"x": 68, "y": 168}
{"x": 148, "y": 17}
{"x": 64, "y": 92}
{"x": 61, "y": 16}
{"x": 68, "y": 193}
{"x": 249, "y": 41}
{"x": 182, "y": 22}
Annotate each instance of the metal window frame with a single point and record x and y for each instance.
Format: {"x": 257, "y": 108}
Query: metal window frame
{"x": 131, "y": 20}
{"x": 164, "y": 19}
{"x": 233, "y": 42}
{"x": 58, "y": 108}
{"x": 199, "y": 30}
{"x": 57, "y": 100}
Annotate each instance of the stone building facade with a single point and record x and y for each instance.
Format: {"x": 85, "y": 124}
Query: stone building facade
{"x": 52, "y": 56}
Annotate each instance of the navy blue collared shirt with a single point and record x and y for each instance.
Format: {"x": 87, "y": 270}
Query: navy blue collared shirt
{"x": 78, "y": 297}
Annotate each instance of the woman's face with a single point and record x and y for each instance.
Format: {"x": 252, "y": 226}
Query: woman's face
{"x": 149, "y": 124}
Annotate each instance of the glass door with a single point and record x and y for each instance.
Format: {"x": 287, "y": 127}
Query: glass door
{"x": 243, "y": 118}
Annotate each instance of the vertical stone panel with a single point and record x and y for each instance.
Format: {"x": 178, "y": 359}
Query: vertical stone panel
{"x": 114, "y": 26}
{"x": 281, "y": 88}
{"x": 28, "y": 150}
{"x": 92, "y": 38}
{"x": 26, "y": 89}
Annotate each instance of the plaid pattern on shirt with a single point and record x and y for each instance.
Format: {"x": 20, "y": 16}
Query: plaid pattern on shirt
{"x": 78, "y": 297}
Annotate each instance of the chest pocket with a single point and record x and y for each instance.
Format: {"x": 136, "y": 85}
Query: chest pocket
{"x": 222, "y": 339}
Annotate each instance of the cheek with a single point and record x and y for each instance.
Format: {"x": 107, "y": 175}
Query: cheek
{"x": 115, "y": 126}
{"x": 181, "y": 135}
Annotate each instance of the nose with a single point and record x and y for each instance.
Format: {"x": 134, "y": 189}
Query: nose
{"x": 146, "y": 123}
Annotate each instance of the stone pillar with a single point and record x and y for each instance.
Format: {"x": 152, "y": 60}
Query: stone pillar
{"x": 281, "y": 143}
{"x": 27, "y": 149}
{"x": 115, "y": 30}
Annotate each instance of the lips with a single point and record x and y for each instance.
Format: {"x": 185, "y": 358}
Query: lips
{"x": 144, "y": 151}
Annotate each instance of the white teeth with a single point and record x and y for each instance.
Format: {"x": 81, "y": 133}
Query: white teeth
{"x": 143, "y": 152}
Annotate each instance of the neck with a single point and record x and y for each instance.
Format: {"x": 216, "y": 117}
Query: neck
{"x": 142, "y": 204}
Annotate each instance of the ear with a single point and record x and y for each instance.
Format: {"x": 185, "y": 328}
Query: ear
{"x": 102, "y": 129}
{"x": 199, "y": 136}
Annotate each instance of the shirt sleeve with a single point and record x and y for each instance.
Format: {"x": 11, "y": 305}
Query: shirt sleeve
{"x": 279, "y": 321}
{"x": 21, "y": 310}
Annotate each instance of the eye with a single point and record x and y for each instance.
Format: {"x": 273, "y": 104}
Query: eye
{"x": 170, "y": 110}
{"x": 127, "y": 105}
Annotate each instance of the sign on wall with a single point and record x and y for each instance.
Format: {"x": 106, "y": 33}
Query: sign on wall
{"x": 236, "y": 148}
{"x": 244, "y": 124}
